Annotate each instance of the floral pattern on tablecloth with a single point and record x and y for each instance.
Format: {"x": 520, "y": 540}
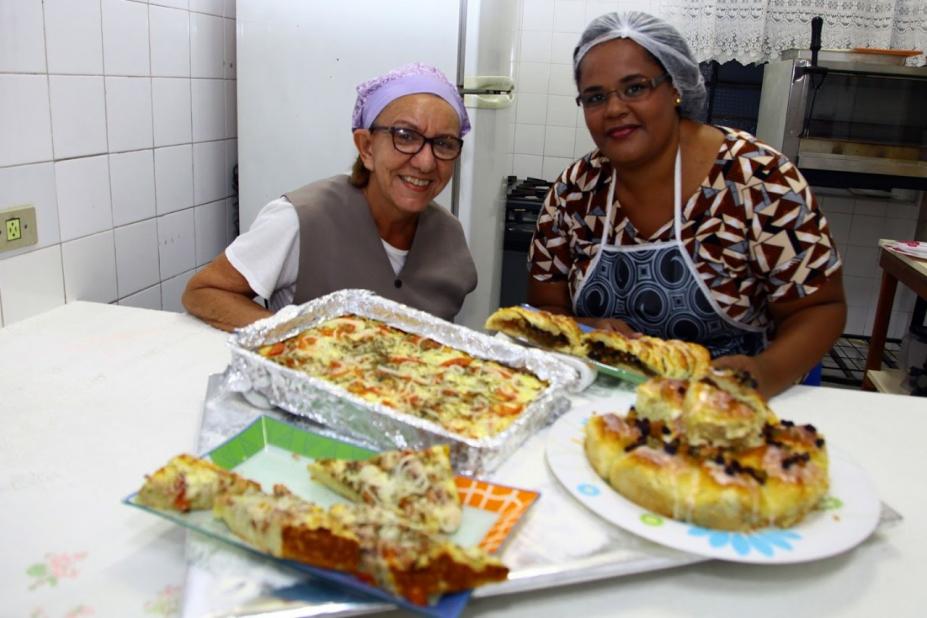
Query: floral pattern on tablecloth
{"x": 79, "y": 611}
{"x": 55, "y": 568}
{"x": 167, "y": 603}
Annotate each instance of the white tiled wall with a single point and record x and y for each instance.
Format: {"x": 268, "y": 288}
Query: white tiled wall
{"x": 857, "y": 223}
{"x": 549, "y": 128}
{"x": 118, "y": 123}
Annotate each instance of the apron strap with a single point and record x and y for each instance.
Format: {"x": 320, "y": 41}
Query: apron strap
{"x": 677, "y": 196}
{"x": 609, "y": 209}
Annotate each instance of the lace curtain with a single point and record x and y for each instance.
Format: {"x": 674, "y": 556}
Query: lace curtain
{"x": 757, "y": 30}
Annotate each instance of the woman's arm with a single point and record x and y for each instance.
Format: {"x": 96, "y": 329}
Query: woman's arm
{"x": 806, "y": 329}
{"x": 555, "y": 298}
{"x": 220, "y": 296}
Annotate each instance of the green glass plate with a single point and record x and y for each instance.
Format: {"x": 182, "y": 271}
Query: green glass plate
{"x": 270, "y": 451}
{"x": 615, "y": 372}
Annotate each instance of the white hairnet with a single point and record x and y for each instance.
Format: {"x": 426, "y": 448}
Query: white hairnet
{"x": 660, "y": 39}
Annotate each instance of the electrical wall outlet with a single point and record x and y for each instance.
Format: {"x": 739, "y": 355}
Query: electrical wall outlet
{"x": 18, "y": 228}
{"x": 14, "y": 230}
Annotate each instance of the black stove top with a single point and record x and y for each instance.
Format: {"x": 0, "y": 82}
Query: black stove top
{"x": 522, "y": 205}
{"x": 528, "y": 192}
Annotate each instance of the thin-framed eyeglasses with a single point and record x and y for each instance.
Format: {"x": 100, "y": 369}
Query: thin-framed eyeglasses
{"x": 631, "y": 92}
{"x": 410, "y": 142}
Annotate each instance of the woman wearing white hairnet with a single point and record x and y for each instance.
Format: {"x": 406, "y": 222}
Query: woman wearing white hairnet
{"x": 679, "y": 229}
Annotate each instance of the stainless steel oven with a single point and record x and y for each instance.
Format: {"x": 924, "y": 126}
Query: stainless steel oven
{"x": 849, "y": 120}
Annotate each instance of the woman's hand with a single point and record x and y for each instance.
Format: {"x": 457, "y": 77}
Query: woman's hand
{"x": 806, "y": 329}
{"x": 749, "y": 364}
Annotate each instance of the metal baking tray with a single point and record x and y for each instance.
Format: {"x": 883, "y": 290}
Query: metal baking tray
{"x": 379, "y": 426}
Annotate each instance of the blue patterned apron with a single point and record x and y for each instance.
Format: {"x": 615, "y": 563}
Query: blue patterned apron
{"x": 656, "y": 289}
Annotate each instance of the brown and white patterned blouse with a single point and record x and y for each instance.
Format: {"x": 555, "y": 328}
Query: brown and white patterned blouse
{"x": 753, "y": 228}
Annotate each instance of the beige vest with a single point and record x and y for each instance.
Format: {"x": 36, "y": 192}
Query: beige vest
{"x": 340, "y": 248}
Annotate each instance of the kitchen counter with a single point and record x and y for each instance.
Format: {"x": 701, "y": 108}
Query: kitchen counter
{"x": 96, "y": 395}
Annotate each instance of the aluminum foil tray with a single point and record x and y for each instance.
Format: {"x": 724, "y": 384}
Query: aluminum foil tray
{"x": 374, "y": 424}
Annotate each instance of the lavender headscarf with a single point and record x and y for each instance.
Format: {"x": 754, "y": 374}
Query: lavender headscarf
{"x": 375, "y": 94}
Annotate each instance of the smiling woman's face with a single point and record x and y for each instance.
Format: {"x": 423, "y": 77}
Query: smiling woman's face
{"x": 402, "y": 183}
{"x": 634, "y": 133}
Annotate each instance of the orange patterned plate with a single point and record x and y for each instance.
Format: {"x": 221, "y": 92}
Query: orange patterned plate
{"x": 510, "y": 504}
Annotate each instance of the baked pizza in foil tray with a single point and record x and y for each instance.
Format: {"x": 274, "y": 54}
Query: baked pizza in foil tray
{"x": 389, "y": 376}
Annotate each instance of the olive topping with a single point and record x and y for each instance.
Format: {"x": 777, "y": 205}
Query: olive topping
{"x": 819, "y": 443}
{"x": 759, "y": 475}
{"x": 798, "y": 458}
{"x": 787, "y": 423}
{"x": 671, "y": 447}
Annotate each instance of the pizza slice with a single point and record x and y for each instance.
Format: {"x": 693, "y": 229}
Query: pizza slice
{"x": 367, "y": 541}
{"x": 188, "y": 483}
{"x": 417, "y": 485}
{"x": 287, "y": 526}
{"x": 411, "y": 562}
{"x": 542, "y": 328}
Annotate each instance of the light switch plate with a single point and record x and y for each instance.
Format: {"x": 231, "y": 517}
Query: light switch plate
{"x": 21, "y": 220}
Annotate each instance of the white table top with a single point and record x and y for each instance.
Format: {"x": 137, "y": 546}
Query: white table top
{"x": 96, "y": 395}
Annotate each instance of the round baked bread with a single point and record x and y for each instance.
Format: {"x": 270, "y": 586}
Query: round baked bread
{"x": 721, "y": 408}
{"x": 775, "y": 483}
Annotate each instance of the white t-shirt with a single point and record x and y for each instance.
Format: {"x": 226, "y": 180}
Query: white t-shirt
{"x": 267, "y": 255}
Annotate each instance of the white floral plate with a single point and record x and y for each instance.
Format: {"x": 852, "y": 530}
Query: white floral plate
{"x": 847, "y": 516}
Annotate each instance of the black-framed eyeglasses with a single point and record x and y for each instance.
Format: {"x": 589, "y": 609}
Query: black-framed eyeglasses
{"x": 634, "y": 91}
{"x": 410, "y": 142}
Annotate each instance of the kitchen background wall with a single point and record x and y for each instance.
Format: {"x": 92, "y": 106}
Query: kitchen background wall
{"x": 118, "y": 123}
{"x": 550, "y": 133}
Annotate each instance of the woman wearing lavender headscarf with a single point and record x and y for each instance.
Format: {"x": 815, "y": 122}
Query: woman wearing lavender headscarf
{"x": 376, "y": 229}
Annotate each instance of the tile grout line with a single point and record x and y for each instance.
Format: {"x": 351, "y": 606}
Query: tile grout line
{"x": 26, "y": 73}
{"x": 51, "y": 133}
{"x": 192, "y": 148}
{"x": 108, "y": 152}
{"x": 154, "y": 171}
{"x": 109, "y": 168}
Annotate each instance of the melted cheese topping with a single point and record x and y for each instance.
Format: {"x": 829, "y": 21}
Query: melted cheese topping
{"x": 187, "y": 483}
{"x": 413, "y": 374}
{"x": 417, "y": 485}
